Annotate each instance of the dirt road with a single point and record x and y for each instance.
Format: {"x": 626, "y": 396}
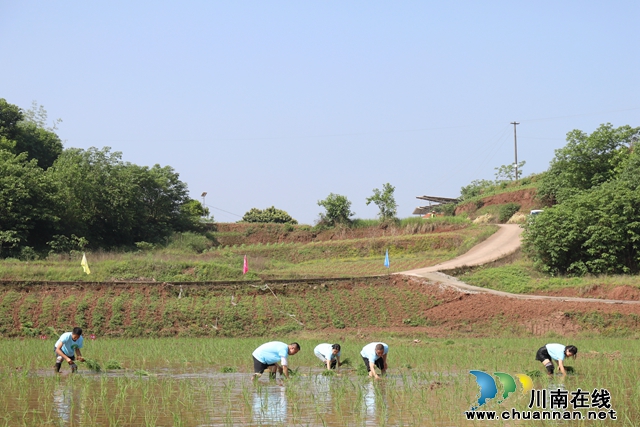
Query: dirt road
{"x": 502, "y": 243}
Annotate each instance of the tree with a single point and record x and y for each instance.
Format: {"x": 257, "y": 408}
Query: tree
{"x": 26, "y": 133}
{"x": 27, "y": 215}
{"x": 268, "y": 215}
{"x": 595, "y": 230}
{"x": 508, "y": 172}
{"x": 586, "y": 161}
{"x": 338, "y": 210}
{"x": 475, "y": 188}
{"x": 194, "y": 208}
{"x": 385, "y": 201}
{"x": 112, "y": 203}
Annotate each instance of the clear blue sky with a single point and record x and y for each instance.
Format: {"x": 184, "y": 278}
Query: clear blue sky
{"x": 281, "y": 103}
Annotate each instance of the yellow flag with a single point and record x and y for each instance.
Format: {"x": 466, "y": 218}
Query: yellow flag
{"x": 85, "y": 264}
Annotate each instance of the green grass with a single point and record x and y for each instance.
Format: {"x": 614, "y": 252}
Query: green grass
{"x": 521, "y": 277}
{"x": 414, "y": 244}
{"x": 192, "y": 382}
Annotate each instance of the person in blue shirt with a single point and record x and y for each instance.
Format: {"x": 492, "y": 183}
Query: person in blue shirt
{"x": 375, "y": 355}
{"x": 67, "y": 348}
{"x": 329, "y": 354}
{"x": 557, "y": 352}
{"x": 268, "y": 355}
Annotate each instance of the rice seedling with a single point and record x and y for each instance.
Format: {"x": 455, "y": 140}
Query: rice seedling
{"x": 112, "y": 364}
{"x": 437, "y": 390}
{"x": 93, "y": 365}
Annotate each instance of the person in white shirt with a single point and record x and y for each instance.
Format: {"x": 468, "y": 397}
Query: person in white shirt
{"x": 329, "y": 354}
{"x": 557, "y": 352}
{"x": 375, "y": 355}
{"x": 267, "y": 356}
{"x": 67, "y": 348}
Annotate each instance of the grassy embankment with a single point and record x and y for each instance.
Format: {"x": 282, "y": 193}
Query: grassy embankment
{"x": 175, "y": 305}
{"x": 274, "y": 252}
{"x": 518, "y": 275}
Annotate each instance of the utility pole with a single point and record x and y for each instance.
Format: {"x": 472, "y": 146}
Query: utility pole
{"x": 204, "y": 194}
{"x": 515, "y": 146}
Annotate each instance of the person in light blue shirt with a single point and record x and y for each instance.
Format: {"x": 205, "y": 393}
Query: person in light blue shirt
{"x": 268, "y": 355}
{"x": 67, "y": 348}
{"x": 375, "y": 355}
{"x": 557, "y": 352}
{"x": 328, "y": 354}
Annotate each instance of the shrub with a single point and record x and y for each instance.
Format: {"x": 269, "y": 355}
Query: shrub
{"x": 507, "y": 211}
{"x": 268, "y": 215}
{"x": 338, "y": 210}
{"x": 191, "y": 242}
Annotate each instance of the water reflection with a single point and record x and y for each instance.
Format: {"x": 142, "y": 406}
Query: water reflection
{"x": 67, "y": 401}
{"x": 62, "y": 403}
{"x": 375, "y": 403}
{"x": 270, "y": 404}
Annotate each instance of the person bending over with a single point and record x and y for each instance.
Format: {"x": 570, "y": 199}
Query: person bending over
{"x": 329, "y": 354}
{"x": 375, "y": 355}
{"x": 267, "y": 356}
{"x": 557, "y": 352}
{"x": 67, "y": 348}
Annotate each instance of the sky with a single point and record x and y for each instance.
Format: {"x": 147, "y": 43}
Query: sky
{"x": 280, "y": 103}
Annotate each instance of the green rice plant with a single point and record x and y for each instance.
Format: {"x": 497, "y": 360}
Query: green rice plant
{"x": 361, "y": 370}
{"x": 93, "y": 365}
{"x": 228, "y": 369}
{"x": 113, "y": 364}
{"x": 534, "y": 373}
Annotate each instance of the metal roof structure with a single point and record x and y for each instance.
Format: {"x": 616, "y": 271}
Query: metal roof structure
{"x": 438, "y": 199}
{"x": 423, "y": 210}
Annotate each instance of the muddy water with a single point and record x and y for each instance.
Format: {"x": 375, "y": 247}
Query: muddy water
{"x": 165, "y": 397}
{"x": 207, "y": 398}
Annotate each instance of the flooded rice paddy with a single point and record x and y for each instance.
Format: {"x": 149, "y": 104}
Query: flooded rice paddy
{"x": 168, "y": 397}
{"x": 206, "y": 398}
{"x": 190, "y": 382}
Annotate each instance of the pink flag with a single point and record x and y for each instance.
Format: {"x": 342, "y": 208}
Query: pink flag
{"x": 245, "y": 266}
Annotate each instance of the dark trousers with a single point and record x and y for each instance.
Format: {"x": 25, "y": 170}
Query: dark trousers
{"x": 379, "y": 363}
{"x": 59, "y": 365}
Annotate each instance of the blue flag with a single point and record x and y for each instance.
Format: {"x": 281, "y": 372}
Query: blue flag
{"x": 386, "y": 259}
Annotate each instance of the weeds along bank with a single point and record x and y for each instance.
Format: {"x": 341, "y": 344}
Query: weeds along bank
{"x": 232, "y": 310}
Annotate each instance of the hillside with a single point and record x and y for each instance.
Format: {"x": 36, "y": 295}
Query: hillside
{"x": 400, "y": 304}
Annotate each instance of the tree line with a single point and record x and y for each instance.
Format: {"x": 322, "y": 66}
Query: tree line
{"x": 60, "y": 199}
{"x": 592, "y": 188}
{"x": 337, "y": 209}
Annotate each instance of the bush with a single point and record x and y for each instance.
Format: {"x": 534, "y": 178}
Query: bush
{"x": 596, "y": 232}
{"x": 189, "y": 241}
{"x": 338, "y": 210}
{"x": 268, "y": 215}
{"x": 507, "y": 211}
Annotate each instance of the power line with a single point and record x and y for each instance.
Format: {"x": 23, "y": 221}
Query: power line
{"x": 231, "y": 213}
